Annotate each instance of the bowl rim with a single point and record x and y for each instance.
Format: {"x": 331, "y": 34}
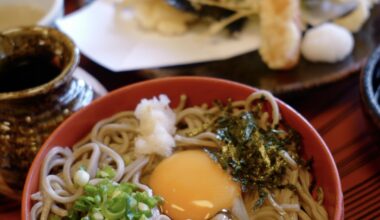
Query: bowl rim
{"x": 54, "y": 11}
{"x": 366, "y": 87}
{"x": 26, "y": 201}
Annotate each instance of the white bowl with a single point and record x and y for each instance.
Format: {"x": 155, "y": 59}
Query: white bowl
{"x": 50, "y": 11}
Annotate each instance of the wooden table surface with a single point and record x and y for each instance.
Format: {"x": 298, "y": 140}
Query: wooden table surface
{"x": 337, "y": 113}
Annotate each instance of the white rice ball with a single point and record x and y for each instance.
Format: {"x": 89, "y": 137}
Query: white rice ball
{"x": 327, "y": 43}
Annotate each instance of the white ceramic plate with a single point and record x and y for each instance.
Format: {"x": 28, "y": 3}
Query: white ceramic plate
{"x": 113, "y": 39}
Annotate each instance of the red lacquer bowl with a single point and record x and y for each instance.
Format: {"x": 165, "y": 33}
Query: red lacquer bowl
{"x": 199, "y": 90}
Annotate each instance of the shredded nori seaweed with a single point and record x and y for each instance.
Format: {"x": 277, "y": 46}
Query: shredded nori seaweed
{"x": 252, "y": 154}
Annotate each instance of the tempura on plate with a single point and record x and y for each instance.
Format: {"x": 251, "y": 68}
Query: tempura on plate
{"x": 281, "y": 22}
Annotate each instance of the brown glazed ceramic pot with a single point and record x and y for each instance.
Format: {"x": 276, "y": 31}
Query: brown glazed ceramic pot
{"x": 29, "y": 115}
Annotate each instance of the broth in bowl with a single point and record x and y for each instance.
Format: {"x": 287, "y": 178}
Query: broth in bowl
{"x": 14, "y": 15}
{"x": 21, "y": 13}
{"x": 28, "y": 71}
{"x": 236, "y": 153}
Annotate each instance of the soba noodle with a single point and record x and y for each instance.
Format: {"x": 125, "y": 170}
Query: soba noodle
{"x": 111, "y": 143}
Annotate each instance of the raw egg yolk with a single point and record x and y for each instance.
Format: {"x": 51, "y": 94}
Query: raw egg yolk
{"x": 193, "y": 186}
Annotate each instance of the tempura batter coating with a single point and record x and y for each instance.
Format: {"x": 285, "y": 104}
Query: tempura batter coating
{"x": 280, "y": 33}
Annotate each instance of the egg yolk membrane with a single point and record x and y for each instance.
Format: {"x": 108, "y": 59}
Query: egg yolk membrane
{"x": 193, "y": 186}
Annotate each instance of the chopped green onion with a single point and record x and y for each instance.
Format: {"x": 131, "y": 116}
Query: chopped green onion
{"x": 112, "y": 201}
{"x": 81, "y": 177}
{"x": 106, "y": 172}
